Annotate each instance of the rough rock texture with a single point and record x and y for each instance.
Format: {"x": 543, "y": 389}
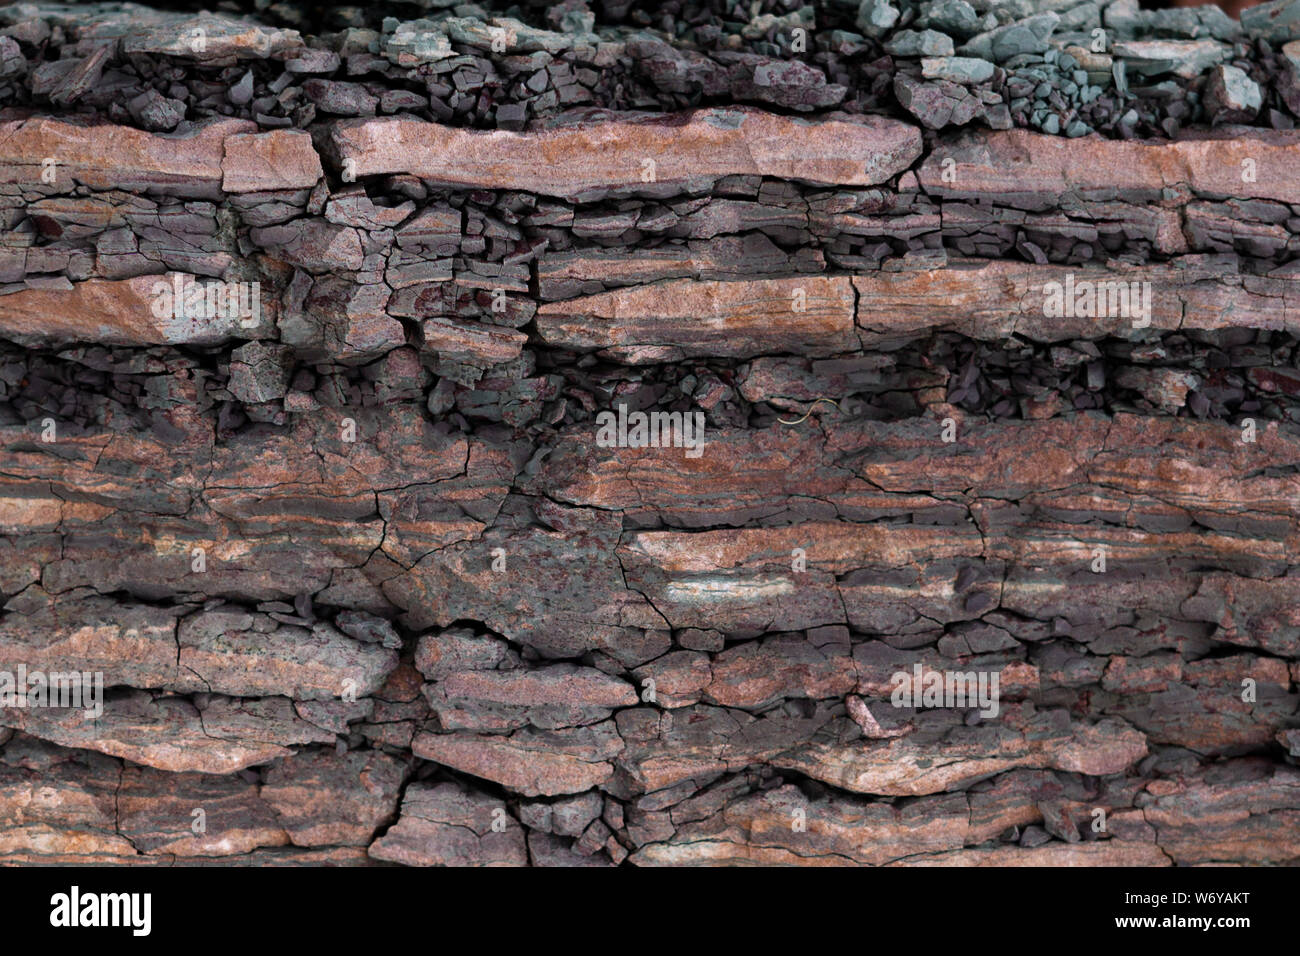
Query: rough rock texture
{"x": 599, "y": 157}
{"x": 960, "y": 529}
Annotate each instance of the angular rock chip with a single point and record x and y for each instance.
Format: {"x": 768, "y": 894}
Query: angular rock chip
{"x": 531, "y": 762}
{"x": 281, "y": 159}
{"x": 448, "y": 824}
{"x": 325, "y": 798}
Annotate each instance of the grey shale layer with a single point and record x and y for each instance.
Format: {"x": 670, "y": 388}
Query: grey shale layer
{"x": 990, "y": 311}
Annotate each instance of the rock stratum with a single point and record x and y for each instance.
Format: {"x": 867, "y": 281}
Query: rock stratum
{"x": 323, "y": 446}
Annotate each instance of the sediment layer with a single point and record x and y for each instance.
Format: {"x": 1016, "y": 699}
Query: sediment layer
{"x": 302, "y": 431}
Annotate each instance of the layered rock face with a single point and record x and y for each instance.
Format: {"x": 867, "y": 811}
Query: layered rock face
{"x": 723, "y": 468}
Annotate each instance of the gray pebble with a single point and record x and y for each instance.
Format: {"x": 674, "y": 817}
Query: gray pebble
{"x": 924, "y": 43}
{"x": 241, "y": 94}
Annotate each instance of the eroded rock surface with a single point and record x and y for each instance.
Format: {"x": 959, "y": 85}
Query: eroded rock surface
{"x": 489, "y": 442}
